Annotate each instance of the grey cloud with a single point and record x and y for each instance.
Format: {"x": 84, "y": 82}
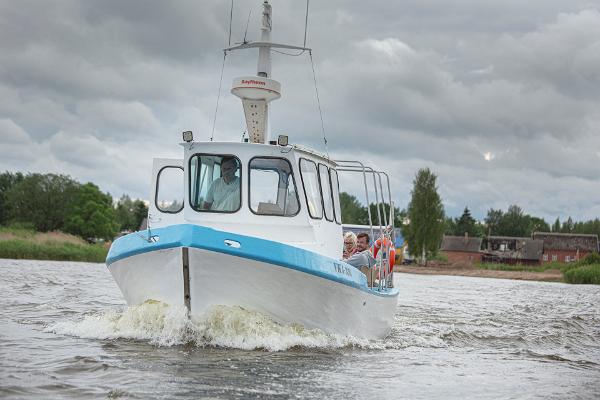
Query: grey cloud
{"x": 95, "y": 89}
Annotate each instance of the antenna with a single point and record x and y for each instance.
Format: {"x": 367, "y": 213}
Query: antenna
{"x": 257, "y": 91}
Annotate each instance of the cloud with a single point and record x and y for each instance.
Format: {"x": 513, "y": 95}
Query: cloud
{"x": 501, "y": 99}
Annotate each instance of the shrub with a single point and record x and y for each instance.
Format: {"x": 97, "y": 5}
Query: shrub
{"x": 588, "y": 274}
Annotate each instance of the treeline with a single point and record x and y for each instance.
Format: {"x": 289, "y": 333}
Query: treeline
{"x": 49, "y": 202}
{"x": 353, "y": 212}
{"x": 516, "y": 223}
{"x": 512, "y": 222}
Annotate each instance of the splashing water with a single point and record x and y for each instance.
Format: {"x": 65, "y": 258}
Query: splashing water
{"x": 220, "y": 326}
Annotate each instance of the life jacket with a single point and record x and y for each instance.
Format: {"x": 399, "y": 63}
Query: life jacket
{"x": 387, "y": 243}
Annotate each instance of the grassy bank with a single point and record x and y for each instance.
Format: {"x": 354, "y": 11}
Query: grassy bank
{"x": 26, "y": 244}
{"x": 515, "y": 267}
{"x": 586, "y": 271}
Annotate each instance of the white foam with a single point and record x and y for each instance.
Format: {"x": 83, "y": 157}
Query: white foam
{"x": 221, "y": 326}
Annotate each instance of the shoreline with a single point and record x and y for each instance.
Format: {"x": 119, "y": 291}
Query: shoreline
{"x": 551, "y": 275}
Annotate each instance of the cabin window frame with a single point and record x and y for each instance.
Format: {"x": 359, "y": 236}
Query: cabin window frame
{"x": 157, "y": 187}
{"x": 304, "y": 186}
{"x": 190, "y": 182}
{"x": 293, "y": 180}
{"x": 331, "y": 208}
{"x": 338, "y": 218}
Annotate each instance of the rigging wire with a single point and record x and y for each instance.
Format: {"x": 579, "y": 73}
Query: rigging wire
{"x": 230, "y": 19}
{"x": 304, "y": 45}
{"x": 318, "y": 102}
{"x": 218, "y": 97}
{"x": 305, "y": 23}
{"x": 247, "y": 23}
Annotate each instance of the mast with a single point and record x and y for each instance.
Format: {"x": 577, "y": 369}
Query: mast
{"x": 257, "y": 91}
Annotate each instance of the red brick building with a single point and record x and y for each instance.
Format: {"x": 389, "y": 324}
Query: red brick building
{"x": 461, "y": 249}
{"x": 566, "y": 247}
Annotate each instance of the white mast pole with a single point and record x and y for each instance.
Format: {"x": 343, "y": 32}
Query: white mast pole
{"x": 257, "y": 91}
{"x": 264, "y": 59}
{"x": 264, "y": 53}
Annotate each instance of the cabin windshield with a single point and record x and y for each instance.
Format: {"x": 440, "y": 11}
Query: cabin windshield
{"x": 272, "y": 187}
{"x": 215, "y": 183}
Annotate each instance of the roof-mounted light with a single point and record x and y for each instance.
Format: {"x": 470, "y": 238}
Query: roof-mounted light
{"x": 282, "y": 140}
{"x": 188, "y": 136}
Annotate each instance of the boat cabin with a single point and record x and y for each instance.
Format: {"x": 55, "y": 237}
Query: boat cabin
{"x": 283, "y": 193}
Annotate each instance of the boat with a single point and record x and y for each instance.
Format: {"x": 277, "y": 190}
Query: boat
{"x": 257, "y": 224}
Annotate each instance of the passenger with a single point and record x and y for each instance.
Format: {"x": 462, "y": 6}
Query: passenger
{"x": 349, "y": 244}
{"x": 363, "y": 247}
{"x": 358, "y": 259}
{"x": 224, "y": 193}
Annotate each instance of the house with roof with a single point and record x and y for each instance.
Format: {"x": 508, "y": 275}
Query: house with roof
{"x": 461, "y": 249}
{"x": 512, "y": 250}
{"x": 566, "y": 247}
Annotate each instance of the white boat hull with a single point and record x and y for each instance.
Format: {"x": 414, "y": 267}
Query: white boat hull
{"x": 285, "y": 294}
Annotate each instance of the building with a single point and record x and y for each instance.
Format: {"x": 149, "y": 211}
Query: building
{"x": 513, "y": 250}
{"x": 461, "y": 249}
{"x": 566, "y": 247}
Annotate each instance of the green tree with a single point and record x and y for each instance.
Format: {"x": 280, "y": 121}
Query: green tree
{"x": 140, "y": 211}
{"x": 385, "y": 209}
{"x": 92, "y": 214}
{"x": 352, "y": 211}
{"x": 514, "y": 222}
{"x": 556, "y": 225}
{"x": 7, "y": 181}
{"x": 450, "y": 226}
{"x": 493, "y": 222}
{"x": 466, "y": 224}
{"x": 130, "y": 213}
{"x": 426, "y": 216}
{"x": 42, "y": 200}
{"x": 537, "y": 225}
{"x": 567, "y": 226}
{"x": 124, "y": 212}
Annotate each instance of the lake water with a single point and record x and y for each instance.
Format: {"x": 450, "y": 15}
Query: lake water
{"x": 65, "y": 332}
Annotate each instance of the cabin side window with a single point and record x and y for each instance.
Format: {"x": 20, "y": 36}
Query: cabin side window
{"x": 335, "y": 187}
{"x": 326, "y": 191}
{"x": 215, "y": 184}
{"x": 169, "y": 190}
{"x": 312, "y": 193}
{"x": 272, "y": 187}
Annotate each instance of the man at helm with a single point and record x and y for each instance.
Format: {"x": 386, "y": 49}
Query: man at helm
{"x": 224, "y": 193}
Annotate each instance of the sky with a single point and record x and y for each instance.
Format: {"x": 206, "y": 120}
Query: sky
{"x": 500, "y": 99}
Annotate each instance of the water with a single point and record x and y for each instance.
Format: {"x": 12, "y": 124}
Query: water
{"x": 65, "y": 332}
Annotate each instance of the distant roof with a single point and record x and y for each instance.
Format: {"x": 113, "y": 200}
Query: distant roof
{"x": 568, "y": 241}
{"x": 461, "y": 243}
{"x": 508, "y": 238}
{"x": 533, "y": 249}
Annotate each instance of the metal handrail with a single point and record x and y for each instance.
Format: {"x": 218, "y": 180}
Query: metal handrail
{"x": 382, "y": 262}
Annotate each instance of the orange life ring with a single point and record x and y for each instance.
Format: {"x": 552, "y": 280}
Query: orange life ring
{"x": 391, "y": 252}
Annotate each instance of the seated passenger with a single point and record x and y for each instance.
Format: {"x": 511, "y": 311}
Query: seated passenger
{"x": 359, "y": 260}
{"x": 224, "y": 193}
{"x": 363, "y": 248}
{"x": 349, "y": 244}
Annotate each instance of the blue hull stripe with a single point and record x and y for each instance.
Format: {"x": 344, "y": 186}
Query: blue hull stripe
{"x": 199, "y": 237}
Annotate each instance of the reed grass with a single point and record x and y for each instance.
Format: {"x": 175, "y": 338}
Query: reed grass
{"x": 587, "y": 274}
{"x": 20, "y": 243}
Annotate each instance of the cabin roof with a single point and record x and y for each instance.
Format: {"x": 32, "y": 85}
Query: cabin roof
{"x": 260, "y": 148}
{"x": 461, "y": 243}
